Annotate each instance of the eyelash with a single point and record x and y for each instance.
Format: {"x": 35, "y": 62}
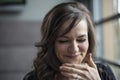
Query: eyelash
{"x": 63, "y": 41}
{"x": 81, "y": 40}
{"x": 66, "y": 41}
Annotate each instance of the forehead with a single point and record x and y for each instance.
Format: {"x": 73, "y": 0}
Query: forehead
{"x": 79, "y": 27}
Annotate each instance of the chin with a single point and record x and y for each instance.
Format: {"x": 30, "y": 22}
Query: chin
{"x": 72, "y": 62}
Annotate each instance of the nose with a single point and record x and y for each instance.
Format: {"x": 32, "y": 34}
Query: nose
{"x": 73, "y": 47}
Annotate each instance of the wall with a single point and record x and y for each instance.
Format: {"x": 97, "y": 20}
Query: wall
{"x": 17, "y": 50}
{"x": 34, "y": 10}
{"x": 18, "y": 33}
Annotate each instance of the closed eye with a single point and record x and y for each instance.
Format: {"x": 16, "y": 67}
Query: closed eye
{"x": 63, "y": 41}
{"x": 81, "y": 40}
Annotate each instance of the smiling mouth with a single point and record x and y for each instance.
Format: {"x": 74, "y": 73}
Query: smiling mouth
{"x": 72, "y": 56}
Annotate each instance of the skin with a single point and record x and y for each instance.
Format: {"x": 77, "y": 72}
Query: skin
{"x": 71, "y": 49}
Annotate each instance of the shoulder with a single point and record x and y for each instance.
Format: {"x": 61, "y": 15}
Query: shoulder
{"x": 105, "y": 71}
{"x": 30, "y": 76}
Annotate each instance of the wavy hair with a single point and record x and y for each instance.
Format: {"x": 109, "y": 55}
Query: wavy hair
{"x": 46, "y": 64}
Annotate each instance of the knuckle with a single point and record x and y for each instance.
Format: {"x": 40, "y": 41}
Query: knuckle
{"x": 73, "y": 65}
{"x": 72, "y": 70}
{"x": 72, "y": 76}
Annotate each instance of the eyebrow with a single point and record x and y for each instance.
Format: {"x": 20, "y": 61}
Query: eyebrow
{"x": 83, "y": 35}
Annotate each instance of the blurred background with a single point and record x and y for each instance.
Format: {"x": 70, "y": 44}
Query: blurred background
{"x": 20, "y": 22}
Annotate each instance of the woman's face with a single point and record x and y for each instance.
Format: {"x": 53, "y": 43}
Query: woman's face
{"x": 72, "y": 47}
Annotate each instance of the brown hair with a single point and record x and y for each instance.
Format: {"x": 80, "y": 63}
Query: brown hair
{"x": 46, "y": 64}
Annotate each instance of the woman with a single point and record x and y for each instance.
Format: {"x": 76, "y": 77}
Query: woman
{"x": 67, "y": 46}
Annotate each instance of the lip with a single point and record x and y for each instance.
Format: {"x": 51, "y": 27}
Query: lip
{"x": 72, "y": 56}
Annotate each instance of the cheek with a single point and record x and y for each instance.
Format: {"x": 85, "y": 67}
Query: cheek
{"x": 84, "y": 47}
{"x": 60, "y": 49}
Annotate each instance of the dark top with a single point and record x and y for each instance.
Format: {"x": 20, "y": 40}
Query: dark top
{"x": 104, "y": 70}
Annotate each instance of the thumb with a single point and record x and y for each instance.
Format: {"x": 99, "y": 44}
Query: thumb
{"x": 90, "y": 61}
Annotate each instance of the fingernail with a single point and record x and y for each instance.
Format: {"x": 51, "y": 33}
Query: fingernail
{"x": 90, "y": 55}
{"x": 60, "y": 67}
{"x": 64, "y": 64}
{"x": 62, "y": 72}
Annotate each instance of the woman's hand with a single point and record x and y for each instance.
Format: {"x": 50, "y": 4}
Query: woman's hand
{"x": 84, "y": 71}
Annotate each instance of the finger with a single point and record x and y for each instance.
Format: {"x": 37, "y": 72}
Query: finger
{"x": 72, "y": 76}
{"x": 71, "y": 70}
{"x": 77, "y": 66}
{"x": 90, "y": 61}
